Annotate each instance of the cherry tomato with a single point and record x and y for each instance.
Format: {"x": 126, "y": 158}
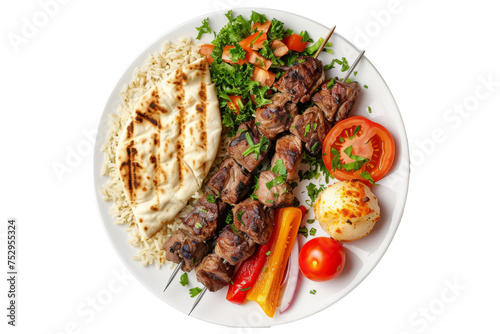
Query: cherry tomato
{"x": 351, "y": 140}
{"x": 321, "y": 259}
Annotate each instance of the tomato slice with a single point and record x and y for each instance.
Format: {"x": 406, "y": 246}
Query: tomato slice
{"x": 355, "y": 146}
{"x": 294, "y": 42}
{"x": 207, "y": 51}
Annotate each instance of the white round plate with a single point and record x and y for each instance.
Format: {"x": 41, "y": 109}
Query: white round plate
{"x": 361, "y": 255}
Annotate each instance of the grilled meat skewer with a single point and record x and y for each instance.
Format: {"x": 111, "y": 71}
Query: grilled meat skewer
{"x": 234, "y": 246}
{"x": 312, "y": 128}
{"x": 240, "y": 146}
{"x": 300, "y": 81}
{"x": 288, "y": 149}
{"x": 275, "y": 117}
{"x": 337, "y": 101}
{"x": 231, "y": 182}
{"x": 205, "y": 217}
{"x": 185, "y": 249}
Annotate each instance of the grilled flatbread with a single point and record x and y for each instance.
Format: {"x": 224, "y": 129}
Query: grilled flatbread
{"x": 168, "y": 145}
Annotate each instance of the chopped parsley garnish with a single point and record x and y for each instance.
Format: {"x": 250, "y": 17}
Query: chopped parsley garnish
{"x": 268, "y": 252}
{"x": 343, "y": 63}
{"x": 237, "y": 53}
{"x": 203, "y": 210}
{"x": 313, "y": 192}
{"x": 312, "y": 292}
{"x": 235, "y": 230}
{"x": 315, "y": 125}
{"x": 315, "y": 146}
{"x": 184, "y": 279}
{"x": 355, "y": 165}
{"x": 254, "y": 40}
{"x": 245, "y": 289}
{"x": 259, "y": 148}
{"x": 211, "y": 198}
{"x": 351, "y": 166}
{"x": 341, "y": 139}
{"x": 259, "y": 18}
{"x": 366, "y": 175}
{"x": 355, "y": 72}
{"x": 308, "y": 128}
{"x": 195, "y": 291}
{"x": 312, "y": 231}
{"x": 310, "y": 221}
{"x": 255, "y": 186}
{"x": 239, "y": 214}
{"x": 269, "y": 201}
{"x": 331, "y": 83}
{"x": 305, "y": 37}
{"x": 369, "y": 109}
{"x": 204, "y": 28}
{"x": 280, "y": 169}
{"x": 356, "y": 130}
{"x": 229, "y": 218}
{"x": 198, "y": 225}
{"x": 264, "y": 269}
{"x": 304, "y": 231}
{"x": 316, "y": 165}
{"x": 365, "y": 86}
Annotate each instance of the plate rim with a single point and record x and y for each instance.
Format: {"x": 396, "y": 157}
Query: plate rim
{"x": 115, "y": 94}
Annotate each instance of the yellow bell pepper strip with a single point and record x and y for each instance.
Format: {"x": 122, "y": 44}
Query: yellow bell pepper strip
{"x": 266, "y": 290}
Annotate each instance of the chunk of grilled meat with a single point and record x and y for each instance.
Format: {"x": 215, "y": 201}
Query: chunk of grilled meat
{"x": 337, "y": 101}
{"x": 213, "y": 273}
{"x": 312, "y": 128}
{"x": 231, "y": 182}
{"x": 250, "y": 217}
{"x": 181, "y": 245}
{"x": 234, "y": 246}
{"x": 274, "y": 191}
{"x": 239, "y": 147}
{"x": 300, "y": 81}
{"x": 289, "y": 150}
{"x": 275, "y": 117}
{"x": 205, "y": 217}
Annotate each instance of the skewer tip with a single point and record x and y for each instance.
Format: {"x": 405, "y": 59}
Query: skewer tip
{"x": 200, "y": 296}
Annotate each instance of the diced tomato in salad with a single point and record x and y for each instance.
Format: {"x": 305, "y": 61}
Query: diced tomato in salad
{"x": 294, "y": 42}
{"x": 234, "y": 103}
{"x": 262, "y": 26}
{"x": 254, "y": 41}
{"x": 266, "y": 78}
{"x": 226, "y": 56}
{"x": 206, "y": 50}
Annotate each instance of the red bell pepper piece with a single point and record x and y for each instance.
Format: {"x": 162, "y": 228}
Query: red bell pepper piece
{"x": 249, "y": 271}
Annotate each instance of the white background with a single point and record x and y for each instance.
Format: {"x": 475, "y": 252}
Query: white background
{"x": 435, "y": 57}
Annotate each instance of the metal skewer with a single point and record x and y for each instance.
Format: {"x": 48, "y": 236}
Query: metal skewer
{"x": 198, "y": 299}
{"x": 324, "y": 42}
{"x": 176, "y": 270}
{"x": 202, "y": 293}
{"x": 353, "y": 66}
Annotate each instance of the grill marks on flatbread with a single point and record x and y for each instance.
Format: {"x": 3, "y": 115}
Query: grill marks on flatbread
{"x": 168, "y": 145}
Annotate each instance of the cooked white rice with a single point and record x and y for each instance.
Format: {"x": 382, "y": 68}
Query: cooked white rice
{"x": 157, "y": 67}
